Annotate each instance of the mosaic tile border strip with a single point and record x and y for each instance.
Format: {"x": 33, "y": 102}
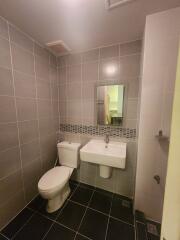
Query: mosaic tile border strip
{"x": 100, "y": 130}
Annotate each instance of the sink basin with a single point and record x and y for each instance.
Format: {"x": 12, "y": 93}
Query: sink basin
{"x": 107, "y": 156}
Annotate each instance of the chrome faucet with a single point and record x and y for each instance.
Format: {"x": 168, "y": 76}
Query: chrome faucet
{"x": 106, "y": 139}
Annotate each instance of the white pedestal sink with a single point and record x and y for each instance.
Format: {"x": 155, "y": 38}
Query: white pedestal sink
{"x": 107, "y": 156}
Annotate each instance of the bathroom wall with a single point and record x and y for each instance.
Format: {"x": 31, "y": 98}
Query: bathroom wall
{"x": 162, "y": 34}
{"x": 29, "y": 118}
{"x": 80, "y": 73}
{"x": 78, "y": 76}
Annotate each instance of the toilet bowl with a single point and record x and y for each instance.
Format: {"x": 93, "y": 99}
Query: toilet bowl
{"x": 54, "y": 184}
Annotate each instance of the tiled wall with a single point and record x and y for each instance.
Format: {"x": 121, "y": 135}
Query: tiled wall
{"x": 29, "y": 118}
{"x": 158, "y": 78}
{"x": 78, "y": 75}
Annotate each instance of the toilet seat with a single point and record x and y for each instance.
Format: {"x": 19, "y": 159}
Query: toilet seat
{"x": 54, "y": 179}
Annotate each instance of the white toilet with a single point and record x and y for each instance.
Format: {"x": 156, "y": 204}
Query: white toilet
{"x": 54, "y": 184}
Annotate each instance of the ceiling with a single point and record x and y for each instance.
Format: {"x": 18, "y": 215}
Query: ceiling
{"x": 81, "y": 24}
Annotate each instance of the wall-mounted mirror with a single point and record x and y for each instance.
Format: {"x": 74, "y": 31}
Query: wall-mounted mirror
{"x": 110, "y": 102}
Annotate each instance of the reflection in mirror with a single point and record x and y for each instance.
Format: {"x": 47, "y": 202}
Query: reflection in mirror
{"x": 110, "y": 104}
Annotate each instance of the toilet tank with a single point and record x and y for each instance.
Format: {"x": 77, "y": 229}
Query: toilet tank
{"x": 68, "y": 153}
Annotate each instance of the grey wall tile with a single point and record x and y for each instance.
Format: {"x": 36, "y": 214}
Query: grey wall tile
{"x": 46, "y": 126}
{"x": 43, "y": 89}
{"x": 8, "y": 136}
{"x": 7, "y": 109}
{"x": 74, "y": 73}
{"x": 25, "y": 85}
{"x": 55, "y": 108}
{"x": 53, "y": 60}
{"x": 88, "y": 173}
{"x": 9, "y": 161}
{"x": 20, "y": 38}
{"x": 109, "y": 52}
{"x": 30, "y": 151}
{"x": 109, "y": 69}
{"x": 23, "y": 60}
{"x": 28, "y": 131}
{"x": 40, "y": 51}
{"x": 73, "y": 91}
{"x": 6, "y": 82}
{"x": 92, "y": 55}
{"x": 74, "y": 59}
{"x": 54, "y": 92}
{"x": 26, "y": 109}
{"x": 32, "y": 172}
{"x": 53, "y": 75}
{"x": 44, "y": 108}
{"x": 31, "y": 191}
{"x": 130, "y": 66}
{"x": 11, "y": 207}
{"x": 62, "y": 75}
{"x": 42, "y": 68}
{"x": 5, "y": 59}
{"x": 133, "y": 87}
{"x": 3, "y": 28}
{"x": 10, "y": 185}
{"x": 130, "y": 48}
{"x": 29, "y": 60}
{"x": 88, "y": 90}
{"x": 63, "y": 61}
{"x": 90, "y": 72}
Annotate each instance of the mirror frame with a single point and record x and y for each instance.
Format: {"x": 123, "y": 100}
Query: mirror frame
{"x": 123, "y": 107}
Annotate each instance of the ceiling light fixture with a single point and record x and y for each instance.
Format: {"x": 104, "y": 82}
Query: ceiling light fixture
{"x": 109, "y": 4}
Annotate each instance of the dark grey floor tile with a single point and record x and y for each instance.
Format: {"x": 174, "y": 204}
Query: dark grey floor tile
{"x": 101, "y": 202}
{"x": 94, "y": 225}
{"x": 58, "y": 232}
{"x": 17, "y": 223}
{"x": 73, "y": 187}
{"x": 35, "y": 229}
{"x": 52, "y": 215}
{"x": 82, "y": 195}
{"x": 80, "y": 237}
{"x": 141, "y": 232}
{"x": 37, "y": 203}
{"x": 122, "y": 209}
{"x": 120, "y": 230}
{"x": 71, "y": 215}
{"x": 2, "y": 237}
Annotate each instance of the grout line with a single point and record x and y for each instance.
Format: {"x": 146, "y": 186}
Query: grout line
{"x": 53, "y": 221}
{"x": 1, "y": 234}
{"x": 122, "y": 221}
{"x": 83, "y": 215}
{"x": 23, "y": 226}
{"x": 16, "y": 112}
{"x": 37, "y": 109}
{"x": 109, "y": 217}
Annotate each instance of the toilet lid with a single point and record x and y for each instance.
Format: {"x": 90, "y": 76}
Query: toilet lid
{"x": 53, "y": 178}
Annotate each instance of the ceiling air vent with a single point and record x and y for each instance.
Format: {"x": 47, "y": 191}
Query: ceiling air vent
{"x": 59, "y": 48}
{"x": 116, "y": 3}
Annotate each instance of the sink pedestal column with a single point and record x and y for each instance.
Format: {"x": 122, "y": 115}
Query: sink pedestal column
{"x": 105, "y": 171}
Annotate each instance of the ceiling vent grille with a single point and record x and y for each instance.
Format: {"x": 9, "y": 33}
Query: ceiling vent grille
{"x": 116, "y": 3}
{"x": 59, "y": 48}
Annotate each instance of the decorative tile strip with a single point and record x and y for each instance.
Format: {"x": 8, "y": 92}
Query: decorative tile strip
{"x": 99, "y": 130}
